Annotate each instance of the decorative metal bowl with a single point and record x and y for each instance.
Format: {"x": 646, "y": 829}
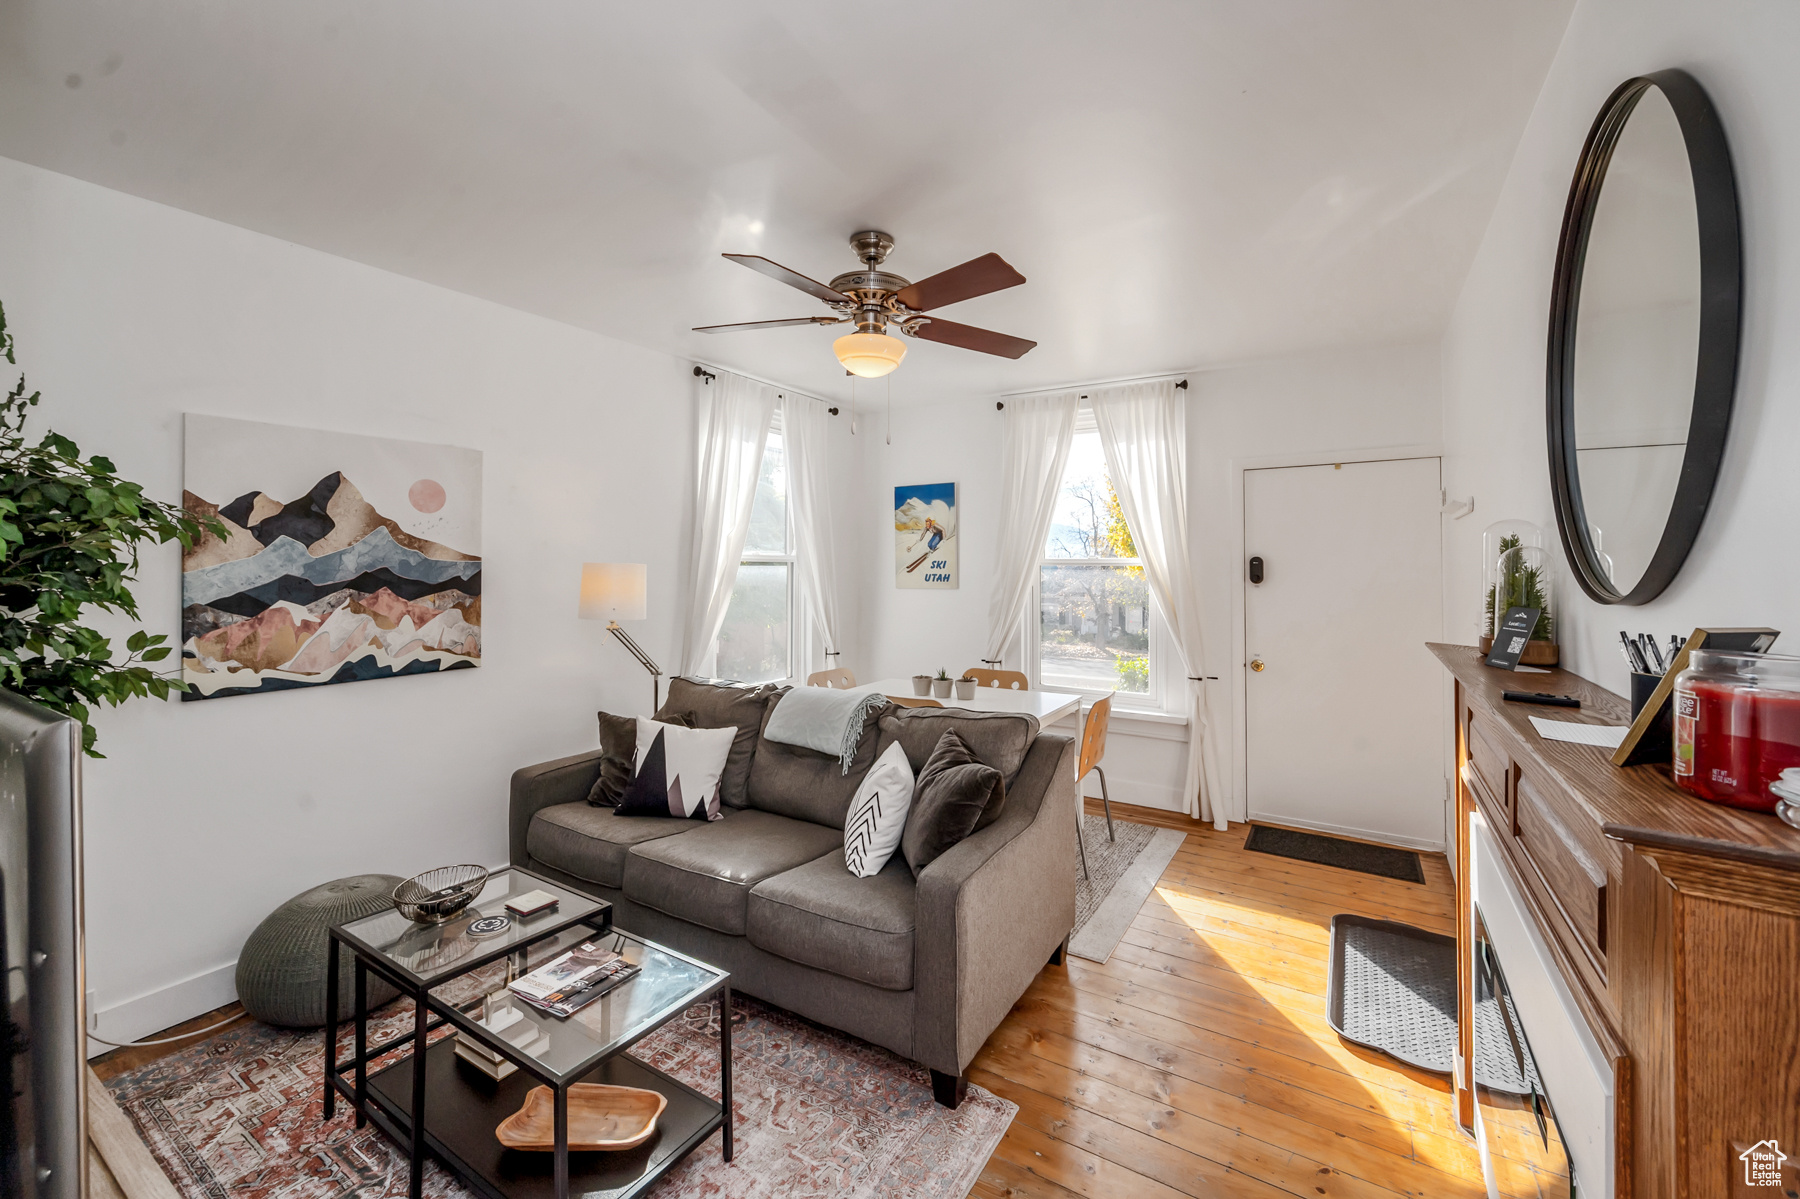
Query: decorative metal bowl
{"x": 438, "y": 895}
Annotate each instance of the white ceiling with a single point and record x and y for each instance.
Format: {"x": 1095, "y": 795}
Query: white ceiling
{"x": 1182, "y": 183}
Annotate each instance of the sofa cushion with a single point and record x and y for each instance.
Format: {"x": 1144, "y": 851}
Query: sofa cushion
{"x": 790, "y": 780}
{"x": 718, "y": 704}
{"x": 591, "y": 842}
{"x": 997, "y": 739}
{"x": 705, "y": 876}
{"x": 821, "y": 915}
{"x": 949, "y": 799}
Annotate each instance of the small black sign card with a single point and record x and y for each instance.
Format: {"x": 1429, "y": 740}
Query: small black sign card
{"x": 1514, "y": 634}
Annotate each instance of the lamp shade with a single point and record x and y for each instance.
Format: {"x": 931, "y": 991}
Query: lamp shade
{"x": 614, "y": 591}
{"x": 870, "y": 355}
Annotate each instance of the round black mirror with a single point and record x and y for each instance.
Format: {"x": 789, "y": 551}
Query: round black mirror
{"x": 1643, "y": 349}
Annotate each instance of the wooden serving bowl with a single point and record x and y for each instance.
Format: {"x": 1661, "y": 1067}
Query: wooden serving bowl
{"x": 600, "y": 1117}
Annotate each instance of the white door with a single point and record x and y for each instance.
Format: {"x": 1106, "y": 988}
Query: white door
{"x": 1343, "y": 718}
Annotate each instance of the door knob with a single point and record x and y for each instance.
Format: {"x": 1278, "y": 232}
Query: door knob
{"x": 1256, "y": 664}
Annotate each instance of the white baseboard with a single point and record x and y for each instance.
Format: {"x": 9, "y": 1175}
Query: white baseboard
{"x": 153, "y": 1011}
{"x": 1422, "y": 844}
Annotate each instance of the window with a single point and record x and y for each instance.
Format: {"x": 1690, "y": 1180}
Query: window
{"x": 1096, "y": 631}
{"x": 756, "y": 642}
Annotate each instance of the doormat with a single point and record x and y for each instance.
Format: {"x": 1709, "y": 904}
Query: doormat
{"x": 1384, "y": 860}
{"x": 1121, "y": 874}
{"x": 818, "y": 1112}
{"x": 1392, "y": 988}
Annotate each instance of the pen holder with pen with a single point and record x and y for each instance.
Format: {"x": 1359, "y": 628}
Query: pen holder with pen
{"x": 1643, "y": 686}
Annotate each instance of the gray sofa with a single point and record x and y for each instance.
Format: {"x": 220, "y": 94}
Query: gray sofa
{"x": 926, "y": 968}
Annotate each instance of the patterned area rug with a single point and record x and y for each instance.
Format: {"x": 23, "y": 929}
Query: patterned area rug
{"x": 1121, "y": 874}
{"x": 818, "y": 1114}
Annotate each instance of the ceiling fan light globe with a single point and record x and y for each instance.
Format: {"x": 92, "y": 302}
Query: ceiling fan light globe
{"x": 870, "y": 355}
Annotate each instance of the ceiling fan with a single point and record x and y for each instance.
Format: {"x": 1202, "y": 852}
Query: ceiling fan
{"x": 873, "y": 299}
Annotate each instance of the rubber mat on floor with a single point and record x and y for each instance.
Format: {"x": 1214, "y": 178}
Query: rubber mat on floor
{"x": 1393, "y": 989}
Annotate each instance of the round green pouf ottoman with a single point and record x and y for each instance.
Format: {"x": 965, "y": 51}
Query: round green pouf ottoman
{"x": 281, "y": 971}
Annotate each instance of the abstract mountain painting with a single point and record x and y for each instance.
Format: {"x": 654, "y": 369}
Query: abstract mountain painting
{"x": 344, "y": 558}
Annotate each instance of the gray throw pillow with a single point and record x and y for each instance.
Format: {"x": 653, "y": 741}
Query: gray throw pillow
{"x": 952, "y": 792}
{"x": 618, "y": 749}
{"x": 719, "y": 704}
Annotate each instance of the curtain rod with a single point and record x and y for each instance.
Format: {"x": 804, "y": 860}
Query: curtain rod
{"x": 1013, "y": 395}
{"x": 706, "y": 377}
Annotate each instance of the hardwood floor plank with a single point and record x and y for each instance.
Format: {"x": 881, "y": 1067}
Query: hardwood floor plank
{"x": 1153, "y": 1157}
{"x": 1201, "y": 1046}
{"x": 1309, "y": 1038}
{"x": 1075, "y": 1168}
{"x": 1291, "y": 1163}
{"x": 1236, "y": 1099}
{"x": 1003, "y": 1178}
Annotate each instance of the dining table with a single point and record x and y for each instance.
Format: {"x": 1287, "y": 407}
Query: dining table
{"x": 1050, "y": 707}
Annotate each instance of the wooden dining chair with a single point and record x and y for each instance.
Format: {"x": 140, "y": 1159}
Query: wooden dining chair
{"x": 908, "y": 701}
{"x": 837, "y": 678}
{"x": 1011, "y": 680}
{"x": 1093, "y": 748}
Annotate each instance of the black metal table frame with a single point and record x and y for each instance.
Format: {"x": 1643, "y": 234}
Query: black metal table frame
{"x": 425, "y": 1007}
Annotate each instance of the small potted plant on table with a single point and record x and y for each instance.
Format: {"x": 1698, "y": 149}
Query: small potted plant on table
{"x": 940, "y": 686}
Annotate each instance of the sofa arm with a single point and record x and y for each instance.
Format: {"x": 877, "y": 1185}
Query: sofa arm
{"x": 993, "y": 909}
{"x": 566, "y": 780}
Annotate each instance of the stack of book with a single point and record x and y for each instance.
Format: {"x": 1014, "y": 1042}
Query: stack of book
{"x": 510, "y": 1025}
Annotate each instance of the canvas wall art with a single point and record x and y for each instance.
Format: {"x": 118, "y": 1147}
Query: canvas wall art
{"x": 345, "y": 558}
{"x": 925, "y": 536}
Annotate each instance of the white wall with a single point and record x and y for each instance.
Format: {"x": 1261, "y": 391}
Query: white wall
{"x": 1324, "y": 404}
{"x": 204, "y": 816}
{"x": 1745, "y": 569}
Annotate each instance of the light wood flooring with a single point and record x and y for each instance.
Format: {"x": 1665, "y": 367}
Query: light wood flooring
{"x": 1198, "y": 1061}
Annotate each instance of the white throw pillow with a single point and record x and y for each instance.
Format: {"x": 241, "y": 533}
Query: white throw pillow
{"x": 877, "y": 815}
{"x": 676, "y": 771}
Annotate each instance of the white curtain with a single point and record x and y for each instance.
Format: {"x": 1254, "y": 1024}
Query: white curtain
{"x": 735, "y": 414}
{"x": 805, "y": 428}
{"x": 1143, "y": 429}
{"x": 1034, "y": 449}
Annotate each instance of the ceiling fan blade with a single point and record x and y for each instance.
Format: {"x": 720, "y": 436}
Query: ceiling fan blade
{"x": 984, "y": 341}
{"x": 798, "y": 320}
{"x": 775, "y": 270}
{"x": 976, "y": 277}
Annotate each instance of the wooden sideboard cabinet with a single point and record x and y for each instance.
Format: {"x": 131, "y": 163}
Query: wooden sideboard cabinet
{"x": 1674, "y": 922}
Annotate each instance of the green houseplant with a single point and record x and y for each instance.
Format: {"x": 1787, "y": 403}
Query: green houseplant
{"x": 1519, "y": 578}
{"x": 70, "y": 528}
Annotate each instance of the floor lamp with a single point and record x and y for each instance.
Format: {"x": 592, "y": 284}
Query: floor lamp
{"x": 615, "y": 591}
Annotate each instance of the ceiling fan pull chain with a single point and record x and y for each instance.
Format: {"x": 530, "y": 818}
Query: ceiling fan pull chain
{"x": 890, "y": 408}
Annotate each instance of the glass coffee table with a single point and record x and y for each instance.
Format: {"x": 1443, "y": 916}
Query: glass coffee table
{"x": 450, "y": 975}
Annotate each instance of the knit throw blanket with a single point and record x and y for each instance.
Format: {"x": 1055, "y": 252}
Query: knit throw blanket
{"x": 824, "y": 719}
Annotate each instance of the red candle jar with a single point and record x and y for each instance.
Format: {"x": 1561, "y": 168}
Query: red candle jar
{"x": 1737, "y": 726}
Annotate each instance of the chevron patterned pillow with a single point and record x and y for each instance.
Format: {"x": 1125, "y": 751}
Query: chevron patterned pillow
{"x": 877, "y": 814}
